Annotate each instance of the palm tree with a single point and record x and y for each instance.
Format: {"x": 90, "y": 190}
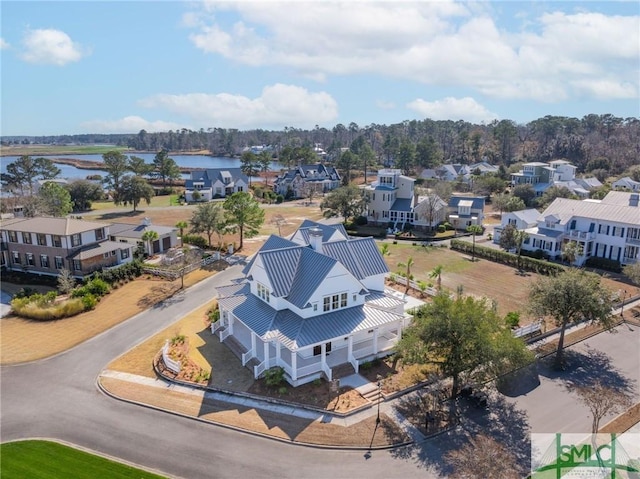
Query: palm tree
{"x": 520, "y": 236}
{"x": 384, "y": 250}
{"x": 474, "y": 230}
{"x": 437, "y": 273}
{"x": 149, "y": 237}
{"x": 181, "y": 225}
{"x": 408, "y": 264}
{"x": 571, "y": 251}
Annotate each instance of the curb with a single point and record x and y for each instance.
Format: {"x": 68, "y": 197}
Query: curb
{"x": 108, "y": 393}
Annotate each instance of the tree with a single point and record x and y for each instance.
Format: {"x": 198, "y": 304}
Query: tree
{"x": 508, "y": 238}
{"x": 348, "y": 161}
{"x": 571, "y": 250}
{"x": 116, "y": 166}
{"x": 83, "y": 193}
{"x": 182, "y": 225}
{"x": 279, "y": 220}
{"x": 465, "y": 338}
{"x": 55, "y": 200}
{"x": 23, "y": 172}
{"x": 514, "y": 204}
{"x": 209, "y": 218}
{"x": 483, "y": 456}
{"x": 520, "y": 236}
{"x": 243, "y": 214}
{"x": 138, "y": 166}
{"x": 602, "y": 400}
{"x": 570, "y": 297}
{"x": 526, "y": 193}
{"x": 384, "y": 250}
{"x": 632, "y": 271}
{"x": 407, "y": 264}
{"x": 249, "y": 164}
{"x": 264, "y": 162}
{"x": 346, "y": 201}
{"x": 406, "y": 157}
{"x": 554, "y": 192}
{"x": 165, "y": 168}
{"x": 133, "y": 189}
{"x": 437, "y": 274}
{"x": 500, "y": 202}
{"x": 66, "y": 281}
{"x": 149, "y": 236}
{"x": 474, "y": 230}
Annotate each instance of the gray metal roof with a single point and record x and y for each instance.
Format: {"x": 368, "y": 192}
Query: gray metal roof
{"x": 311, "y": 272}
{"x": 342, "y": 252}
{"x": 273, "y": 242}
{"x": 566, "y": 209}
{"x": 50, "y": 225}
{"x": 136, "y": 231}
{"x": 98, "y": 249}
{"x": 402, "y": 204}
{"x": 368, "y": 255}
{"x": 327, "y": 230}
{"x": 478, "y": 202}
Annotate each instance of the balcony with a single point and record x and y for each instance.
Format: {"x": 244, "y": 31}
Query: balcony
{"x": 581, "y": 235}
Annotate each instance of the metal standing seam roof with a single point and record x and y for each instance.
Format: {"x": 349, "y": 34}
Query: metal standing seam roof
{"x": 366, "y": 252}
{"x": 273, "y": 242}
{"x": 312, "y": 269}
{"x": 280, "y": 266}
{"x": 566, "y": 209}
{"x": 327, "y": 230}
{"x": 401, "y": 204}
{"x": 341, "y": 251}
{"x": 98, "y": 249}
{"x": 51, "y": 225}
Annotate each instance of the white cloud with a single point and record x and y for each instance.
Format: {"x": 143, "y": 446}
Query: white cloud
{"x": 453, "y": 109}
{"x": 129, "y": 124}
{"x": 385, "y": 105}
{"x": 278, "y": 105}
{"x": 3, "y": 44}
{"x": 52, "y": 47}
{"x": 439, "y": 43}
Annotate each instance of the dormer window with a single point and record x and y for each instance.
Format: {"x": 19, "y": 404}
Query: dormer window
{"x": 334, "y": 301}
{"x": 263, "y": 292}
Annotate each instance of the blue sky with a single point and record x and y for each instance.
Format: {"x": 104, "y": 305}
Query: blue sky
{"x": 75, "y": 67}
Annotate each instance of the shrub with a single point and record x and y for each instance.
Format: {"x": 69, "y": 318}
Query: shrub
{"x": 604, "y": 263}
{"x": 89, "y": 301}
{"x": 274, "y": 377}
{"x": 27, "y": 308}
{"x": 360, "y": 220}
{"x": 512, "y": 319}
{"x": 279, "y": 199}
{"x": 25, "y": 292}
{"x": 97, "y": 287}
{"x": 195, "y": 240}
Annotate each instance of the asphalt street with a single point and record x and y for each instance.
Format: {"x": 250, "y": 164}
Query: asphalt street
{"x": 58, "y": 398}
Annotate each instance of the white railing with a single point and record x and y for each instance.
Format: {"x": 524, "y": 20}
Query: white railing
{"x": 532, "y": 328}
{"x": 285, "y": 366}
{"x": 224, "y": 334}
{"x": 259, "y": 369}
{"x": 172, "y": 364}
{"x": 307, "y": 370}
{"x": 246, "y": 357}
{"x": 413, "y": 285}
{"x": 354, "y": 362}
{"x": 327, "y": 372}
{"x": 215, "y": 326}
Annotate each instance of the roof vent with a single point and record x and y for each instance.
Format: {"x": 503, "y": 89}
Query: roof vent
{"x": 315, "y": 238}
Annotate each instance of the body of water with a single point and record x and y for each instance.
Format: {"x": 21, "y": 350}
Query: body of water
{"x": 190, "y": 161}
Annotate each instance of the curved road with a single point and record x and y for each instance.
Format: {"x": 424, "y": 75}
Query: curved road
{"x": 58, "y": 398}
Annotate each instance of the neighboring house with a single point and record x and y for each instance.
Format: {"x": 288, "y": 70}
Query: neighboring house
{"x": 295, "y": 181}
{"x": 391, "y": 201}
{"x": 215, "y": 183}
{"x": 447, "y": 172}
{"x": 521, "y": 220}
{"x": 464, "y": 211}
{"x": 39, "y": 183}
{"x": 483, "y": 168}
{"x": 132, "y": 234}
{"x": 47, "y": 245}
{"x": 311, "y": 303}
{"x": 607, "y": 228}
{"x": 626, "y": 183}
{"x": 559, "y": 173}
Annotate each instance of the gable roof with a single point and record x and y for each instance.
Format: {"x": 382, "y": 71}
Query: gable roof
{"x": 136, "y": 231}
{"x": 565, "y": 209}
{"x": 477, "y": 202}
{"x": 328, "y": 231}
{"x": 528, "y": 216}
{"x": 212, "y": 175}
{"x": 50, "y": 225}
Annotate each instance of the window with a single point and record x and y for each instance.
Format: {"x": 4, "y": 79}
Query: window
{"x": 57, "y": 241}
{"x": 124, "y": 253}
{"x": 354, "y": 298}
{"x": 76, "y": 240}
{"x": 13, "y": 237}
{"x": 77, "y": 266}
{"x": 26, "y": 238}
{"x": 59, "y": 262}
{"x": 16, "y": 257}
{"x": 42, "y": 239}
{"x": 99, "y": 234}
{"x": 343, "y": 300}
{"x": 105, "y": 255}
{"x": 317, "y": 350}
{"x": 113, "y": 253}
{"x": 29, "y": 259}
{"x": 334, "y": 301}
{"x": 263, "y": 292}
{"x": 327, "y": 304}
{"x": 44, "y": 261}
{"x": 315, "y": 306}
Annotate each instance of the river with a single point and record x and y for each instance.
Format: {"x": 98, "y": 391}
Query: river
{"x": 191, "y": 161}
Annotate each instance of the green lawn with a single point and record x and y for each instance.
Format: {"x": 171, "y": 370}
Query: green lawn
{"x": 156, "y": 201}
{"x": 50, "y": 460}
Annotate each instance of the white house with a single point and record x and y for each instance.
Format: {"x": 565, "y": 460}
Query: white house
{"x": 132, "y": 234}
{"x": 311, "y": 303}
{"x": 521, "y": 220}
{"x": 559, "y": 173}
{"x": 626, "y": 183}
{"x": 322, "y": 178}
{"x": 609, "y": 228}
{"x": 215, "y": 183}
{"x": 464, "y": 211}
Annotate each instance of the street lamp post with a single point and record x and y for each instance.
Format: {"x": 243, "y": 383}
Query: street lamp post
{"x": 624, "y": 294}
{"x": 379, "y": 397}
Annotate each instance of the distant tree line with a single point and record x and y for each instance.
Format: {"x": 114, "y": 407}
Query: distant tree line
{"x": 594, "y": 144}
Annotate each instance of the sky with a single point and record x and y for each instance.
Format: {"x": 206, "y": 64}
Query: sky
{"x": 73, "y": 67}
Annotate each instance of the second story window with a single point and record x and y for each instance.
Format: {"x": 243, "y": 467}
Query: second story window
{"x": 13, "y": 237}
{"x": 100, "y": 234}
{"x": 57, "y": 241}
{"x": 26, "y": 238}
{"x": 76, "y": 240}
{"x": 263, "y": 292}
{"x": 42, "y": 239}
{"x": 334, "y": 301}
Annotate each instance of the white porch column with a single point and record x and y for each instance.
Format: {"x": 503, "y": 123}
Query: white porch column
{"x": 231, "y": 324}
{"x": 294, "y": 365}
{"x": 278, "y": 353}
{"x": 375, "y": 341}
{"x": 323, "y": 355}
{"x": 267, "y": 364}
{"x": 350, "y": 348}
{"x": 253, "y": 344}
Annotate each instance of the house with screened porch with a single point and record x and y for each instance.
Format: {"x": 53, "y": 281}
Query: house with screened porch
{"x": 310, "y": 304}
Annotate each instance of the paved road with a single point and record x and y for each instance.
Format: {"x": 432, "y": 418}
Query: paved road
{"x": 58, "y": 398}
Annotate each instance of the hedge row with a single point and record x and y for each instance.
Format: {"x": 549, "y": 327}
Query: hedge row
{"x": 126, "y": 271}
{"x": 509, "y": 259}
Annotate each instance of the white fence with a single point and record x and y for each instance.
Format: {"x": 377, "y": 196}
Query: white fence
{"x": 412, "y": 284}
{"x": 530, "y": 329}
{"x": 173, "y": 274}
{"x": 172, "y": 364}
